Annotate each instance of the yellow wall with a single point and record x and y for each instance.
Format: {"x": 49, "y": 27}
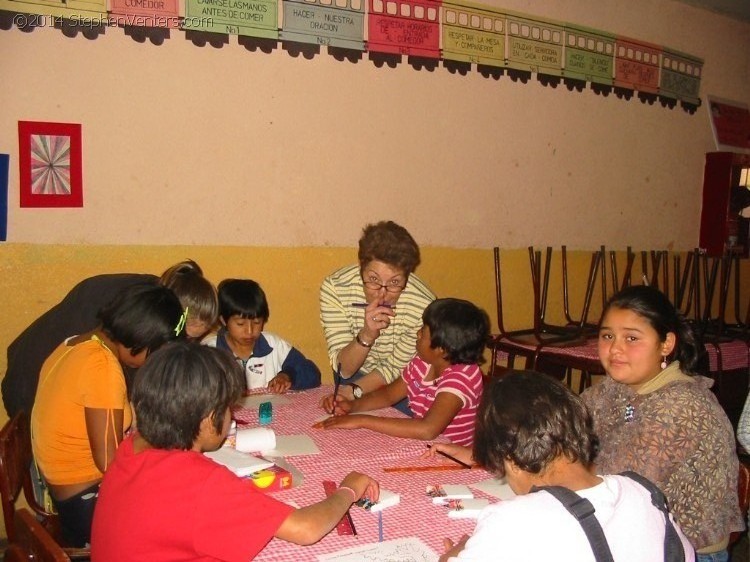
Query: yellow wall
{"x": 35, "y": 277}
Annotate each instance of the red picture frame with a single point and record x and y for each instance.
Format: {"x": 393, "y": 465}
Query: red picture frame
{"x": 50, "y": 164}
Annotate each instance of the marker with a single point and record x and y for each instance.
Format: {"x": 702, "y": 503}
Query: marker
{"x": 365, "y": 305}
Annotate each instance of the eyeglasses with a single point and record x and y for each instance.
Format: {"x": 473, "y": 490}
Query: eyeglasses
{"x": 391, "y": 288}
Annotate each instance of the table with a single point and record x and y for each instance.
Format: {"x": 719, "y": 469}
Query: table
{"x": 368, "y": 452}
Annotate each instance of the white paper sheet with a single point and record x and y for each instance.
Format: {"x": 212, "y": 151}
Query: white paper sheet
{"x": 397, "y": 550}
{"x": 242, "y": 464}
{"x": 497, "y": 488}
{"x": 292, "y": 446}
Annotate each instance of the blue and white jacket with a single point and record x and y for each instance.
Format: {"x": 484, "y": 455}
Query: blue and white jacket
{"x": 271, "y": 355}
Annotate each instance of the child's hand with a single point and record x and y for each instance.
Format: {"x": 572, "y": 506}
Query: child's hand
{"x": 341, "y": 407}
{"x": 456, "y": 451}
{"x": 363, "y": 486}
{"x": 452, "y": 549}
{"x": 280, "y": 383}
{"x": 342, "y": 422}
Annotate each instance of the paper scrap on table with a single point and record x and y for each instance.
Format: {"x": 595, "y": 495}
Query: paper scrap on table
{"x": 465, "y": 509}
{"x": 404, "y": 550}
{"x": 385, "y": 500}
{"x": 497, "y": 488}
{"x": 255, "y": 400}
{"x": 292, "y": 446}
{"x": 442, "y": 493}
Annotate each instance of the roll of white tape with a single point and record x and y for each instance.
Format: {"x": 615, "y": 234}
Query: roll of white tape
{"x": 255, "y": 439}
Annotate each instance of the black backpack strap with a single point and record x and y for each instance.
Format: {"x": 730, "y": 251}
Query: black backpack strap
{"x": 673, "y": 550}
{"x": 583, "y": 511}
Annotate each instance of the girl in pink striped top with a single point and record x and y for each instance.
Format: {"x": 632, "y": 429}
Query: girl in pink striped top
{"x": 443, "y": 382}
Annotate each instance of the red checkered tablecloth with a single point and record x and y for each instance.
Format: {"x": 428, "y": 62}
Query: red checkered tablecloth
{"x": 734, "y": 355}
{"x": 364, "y": 451}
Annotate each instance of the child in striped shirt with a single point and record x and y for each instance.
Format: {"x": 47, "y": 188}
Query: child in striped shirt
{"x": 443, "y": 382}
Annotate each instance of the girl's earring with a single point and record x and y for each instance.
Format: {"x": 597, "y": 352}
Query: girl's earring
{"x": 663, "y": 362}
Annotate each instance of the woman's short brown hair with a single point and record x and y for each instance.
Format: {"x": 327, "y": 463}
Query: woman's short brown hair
{"x": 390, "y": 243}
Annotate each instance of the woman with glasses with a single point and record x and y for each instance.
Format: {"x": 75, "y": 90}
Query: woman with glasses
{"x": 372, "y": 310}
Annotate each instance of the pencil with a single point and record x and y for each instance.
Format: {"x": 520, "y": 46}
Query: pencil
{"x": 454, "y": 459}
{"x": 425, "y": 468}
{"x": 365, "y": 305}
{"x": 336, "y": 385}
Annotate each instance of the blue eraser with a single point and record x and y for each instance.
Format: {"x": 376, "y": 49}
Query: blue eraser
{"x": 265, "y": 413}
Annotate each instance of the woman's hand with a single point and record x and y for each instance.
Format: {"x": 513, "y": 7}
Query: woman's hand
{"x": 338, "y": 405}
{"x": 452, "y": 549}
{"x": 377, "y": 318}
{"x": 456, "y": 451}
{"x": 363, "y": 486}
{"x": 280, "y": 383}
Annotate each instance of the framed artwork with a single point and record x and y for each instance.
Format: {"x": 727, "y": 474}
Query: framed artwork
{"x": 50, "y": 164}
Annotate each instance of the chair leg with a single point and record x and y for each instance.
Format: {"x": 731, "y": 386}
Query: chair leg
{"x": 584, "y": 382}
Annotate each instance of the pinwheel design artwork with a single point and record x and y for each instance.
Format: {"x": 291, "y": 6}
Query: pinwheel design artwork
{"x": 50, "y": 164}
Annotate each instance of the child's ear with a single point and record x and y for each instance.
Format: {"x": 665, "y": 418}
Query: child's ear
{"x": 208, "y": 427}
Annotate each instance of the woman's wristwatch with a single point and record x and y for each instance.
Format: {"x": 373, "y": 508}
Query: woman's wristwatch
{"x": 356, "y": 391}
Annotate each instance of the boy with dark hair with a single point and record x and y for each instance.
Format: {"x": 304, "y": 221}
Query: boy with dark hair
{"x": 266, "y": 359}
{"x": 163, "y": 500}
{"x": 535, "y": 432}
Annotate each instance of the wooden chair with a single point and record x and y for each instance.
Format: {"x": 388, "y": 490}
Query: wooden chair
{"x": 33, "y": 538}
{"x": 17, "y": 553}
{"x": 15, "y": 474}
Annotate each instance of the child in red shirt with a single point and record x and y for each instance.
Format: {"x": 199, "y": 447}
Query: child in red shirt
{"x": 162, "y": 499}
